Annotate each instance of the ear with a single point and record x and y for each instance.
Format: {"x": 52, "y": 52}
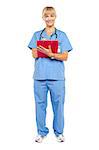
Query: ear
{"x": 43, "y": 17}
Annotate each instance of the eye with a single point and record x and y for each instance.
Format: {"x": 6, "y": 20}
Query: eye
{"x": 52, "y": 15}
{"x": 46, "y": 15}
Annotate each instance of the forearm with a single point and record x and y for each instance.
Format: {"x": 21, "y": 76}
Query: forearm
{"x": 57, "y": 56}
{"x": 34, "y": 53}
{"x": 60, "y": 56}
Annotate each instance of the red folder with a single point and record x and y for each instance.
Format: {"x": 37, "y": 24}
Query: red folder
{"x": 46, "y": 43}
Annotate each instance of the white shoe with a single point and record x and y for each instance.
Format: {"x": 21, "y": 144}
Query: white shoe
{"x": 60, "y": 138}
{"x": 39, "y": 139}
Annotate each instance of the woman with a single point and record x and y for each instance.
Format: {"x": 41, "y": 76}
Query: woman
{"x": 49, "y": 76}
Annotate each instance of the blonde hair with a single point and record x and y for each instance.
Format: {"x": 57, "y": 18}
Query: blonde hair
{"x": 47, "y": 9}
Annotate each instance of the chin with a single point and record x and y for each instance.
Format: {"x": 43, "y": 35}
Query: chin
{"x": 50, "y": 25}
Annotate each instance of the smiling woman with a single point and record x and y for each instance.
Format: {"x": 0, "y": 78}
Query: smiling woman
{"x": 49, "y": 16}
{"x": 49, "y": 75}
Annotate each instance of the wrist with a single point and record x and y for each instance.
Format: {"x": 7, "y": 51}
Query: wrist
{"x": 51, "y": 54}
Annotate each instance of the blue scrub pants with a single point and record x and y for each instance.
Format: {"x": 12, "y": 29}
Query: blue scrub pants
{"x": 57, "y": 95}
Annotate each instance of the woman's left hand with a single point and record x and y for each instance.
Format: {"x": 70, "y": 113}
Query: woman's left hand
{"x": 44, "y": 50}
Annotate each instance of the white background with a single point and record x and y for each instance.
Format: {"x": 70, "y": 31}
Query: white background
{"x": 18, "y": 20}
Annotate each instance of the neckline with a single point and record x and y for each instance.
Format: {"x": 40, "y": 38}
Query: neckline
{"x": 51, "y": 33}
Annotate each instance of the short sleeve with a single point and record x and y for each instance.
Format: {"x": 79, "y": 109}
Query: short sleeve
{"x": 32, "y": 43}
{"x": 65, "y": 43}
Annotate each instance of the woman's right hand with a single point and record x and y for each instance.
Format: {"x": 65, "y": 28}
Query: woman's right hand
{"x": 34, "y": 53}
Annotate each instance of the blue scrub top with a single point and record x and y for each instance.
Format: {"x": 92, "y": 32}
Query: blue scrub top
{"x": 46, "y": 68}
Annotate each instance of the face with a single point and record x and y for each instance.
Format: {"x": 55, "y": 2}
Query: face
{"x": 49, "y": 18}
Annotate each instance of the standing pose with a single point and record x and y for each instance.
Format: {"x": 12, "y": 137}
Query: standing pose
{"x": 49, "y": 76}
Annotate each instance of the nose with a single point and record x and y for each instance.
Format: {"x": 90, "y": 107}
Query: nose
{"x": 48, "y": 19}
